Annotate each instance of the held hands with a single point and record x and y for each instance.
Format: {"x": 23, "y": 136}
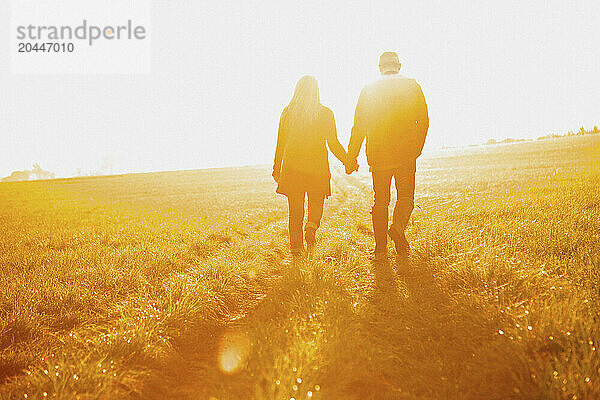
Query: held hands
{"x": 351, "y": 166}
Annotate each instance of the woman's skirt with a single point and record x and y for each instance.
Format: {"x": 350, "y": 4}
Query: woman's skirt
{"x": 291, "y": 182}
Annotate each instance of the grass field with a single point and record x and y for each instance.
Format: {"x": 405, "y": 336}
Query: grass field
{"x": 177, "y": 285}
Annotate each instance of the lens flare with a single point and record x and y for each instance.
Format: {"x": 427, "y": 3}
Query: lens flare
{"x": 233, "y": 351}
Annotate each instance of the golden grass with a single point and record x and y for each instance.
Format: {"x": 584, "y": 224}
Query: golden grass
{"x": 177, "y": 285}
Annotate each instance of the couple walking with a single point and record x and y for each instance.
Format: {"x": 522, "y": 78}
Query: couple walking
{"x": 392, "y": 114}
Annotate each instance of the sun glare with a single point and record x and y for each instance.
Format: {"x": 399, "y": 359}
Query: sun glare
{"x": 233, "y": 351}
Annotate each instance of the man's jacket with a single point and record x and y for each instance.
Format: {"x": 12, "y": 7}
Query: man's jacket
{"x": 392, "y": 114}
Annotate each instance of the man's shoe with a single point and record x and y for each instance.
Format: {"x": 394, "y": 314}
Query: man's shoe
{"x": 400, "y": 242}
{"x": 310, "y": 237}
{"x": 380, "y": 256}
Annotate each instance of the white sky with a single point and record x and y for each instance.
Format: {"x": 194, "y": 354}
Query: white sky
{"x": 222, "y": 71}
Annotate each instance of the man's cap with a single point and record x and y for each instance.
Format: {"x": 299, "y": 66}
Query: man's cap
{"x": 389, "y": 59}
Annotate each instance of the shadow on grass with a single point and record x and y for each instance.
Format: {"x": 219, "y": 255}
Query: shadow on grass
{"x": 427, "y": 344}
{"x": 346, "y": 329}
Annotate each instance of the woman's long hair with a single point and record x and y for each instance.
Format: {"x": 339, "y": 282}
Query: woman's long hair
{"x": 305, "y": 104}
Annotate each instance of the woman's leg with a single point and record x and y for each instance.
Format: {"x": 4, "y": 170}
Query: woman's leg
{"x": 296, "y": 218}
{"x": 315, "y": 213}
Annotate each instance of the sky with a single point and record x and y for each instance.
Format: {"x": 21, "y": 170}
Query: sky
{"x": 222, "y": 71}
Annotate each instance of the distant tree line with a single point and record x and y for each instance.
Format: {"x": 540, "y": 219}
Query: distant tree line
{"x": 580, "y": 132}
{"x": 33, "y": 174}
{"x": 507, "y": 140}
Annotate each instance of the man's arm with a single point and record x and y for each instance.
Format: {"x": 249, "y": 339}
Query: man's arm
{"x": 359, "y": 130}
{"x": 422, "y": 121}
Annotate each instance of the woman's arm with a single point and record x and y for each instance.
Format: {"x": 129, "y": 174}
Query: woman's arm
{"x": 281, "y": 141}
{"x": 334, "y": 144}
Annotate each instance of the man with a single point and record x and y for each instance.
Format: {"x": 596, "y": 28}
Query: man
{"x": 392, "y": 114}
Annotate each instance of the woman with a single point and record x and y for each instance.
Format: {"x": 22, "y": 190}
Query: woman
{"x": 301, "y": 166}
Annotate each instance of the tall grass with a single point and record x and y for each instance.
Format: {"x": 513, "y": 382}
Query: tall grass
{"x": 178, "y": 285}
